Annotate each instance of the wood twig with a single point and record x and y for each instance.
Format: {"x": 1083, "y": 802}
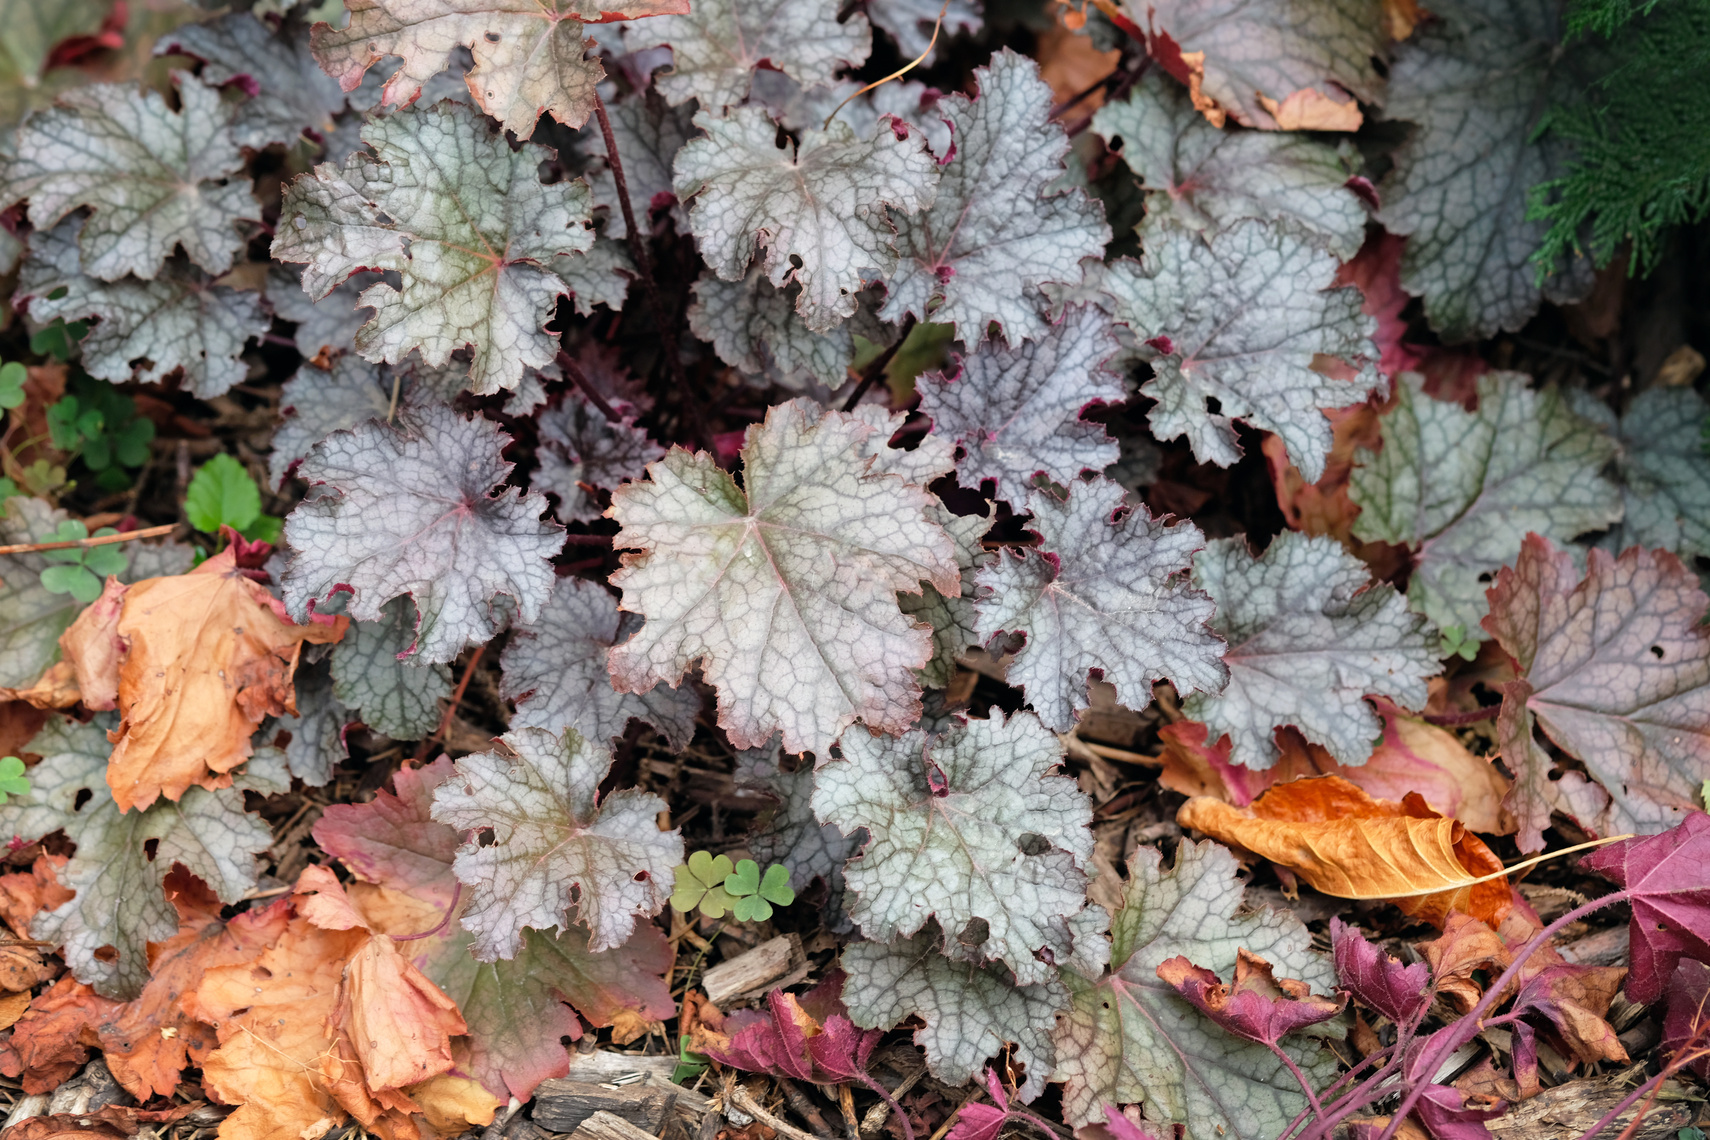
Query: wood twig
{"x": 742, "y": 1100}
{"x": 92, "y": 540}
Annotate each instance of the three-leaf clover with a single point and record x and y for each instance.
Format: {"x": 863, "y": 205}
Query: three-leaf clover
{"x": 59, "y": 338}
{"x": 101, "y": 425}
{"x": 701, "y": 883}
{"x": 13, "y": 782}
{"x": 1456, "y": 643}
{"x": 80, "y": 570}
{"x": 755, "y": 894}
{"x": 222, "y": 493}
{"x": 12, "y": 377}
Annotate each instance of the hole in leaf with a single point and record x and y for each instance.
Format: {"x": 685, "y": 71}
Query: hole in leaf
{"x": 975, "y": 933}
{"x": 641, "y": 876}
{"x": 1214, "y": 405}
{"x": 83, "y": 796}
{"x": 492, "y": 37}
{"x": 1032, "y": 844}
{"x": 107, "y": 954}
{"x": 1657, "y": 652}
{"x": 149, "y": 847}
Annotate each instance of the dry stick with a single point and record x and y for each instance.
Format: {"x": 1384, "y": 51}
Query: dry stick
{"x": 102, "y": 540}
{"x": 580, "y": 379}
{"x": 740, "y": 1098}
{"x": 878, "y": 365}
{"x": 899, "y": 72}
{"x": 451, "y": 709}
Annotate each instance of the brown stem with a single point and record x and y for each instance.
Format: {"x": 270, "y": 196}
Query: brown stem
{"x": 92, "y": 540}
{"x": 876, "y": 369}
{"x": 580, "y": 379}
{"x": 451, "y": 709}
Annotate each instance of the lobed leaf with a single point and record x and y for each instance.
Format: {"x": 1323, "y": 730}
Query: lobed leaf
{"x": 580, "y": 448}
{"x": 753, "y": 327}
{"x": 288, "y": 92}
{"x": 1662, "y": 468}
{"x": 968, "y": 828}
{"x": 1106, "y": 589}
{"x": 409, "y": 509}
{"x": 396, "y": 698}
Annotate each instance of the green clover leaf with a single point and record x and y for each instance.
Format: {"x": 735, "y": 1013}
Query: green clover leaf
{"x": 1456, "y": 643}
{"x": 754, "y": 894}
{"x": 700, "y": 884}
{"x": 13, "y": 782}
{"x": 80, "y": 570}
{"x": 12, "y": 377}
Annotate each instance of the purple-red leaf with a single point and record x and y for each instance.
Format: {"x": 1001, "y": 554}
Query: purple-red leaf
{"x": 1670, "y": 895}
{"x": 1257, "y": 1005}
{"x": 1376, "y": 979}
{"x": 1687, "y": 1026}
{"x": 805, "y": 1039}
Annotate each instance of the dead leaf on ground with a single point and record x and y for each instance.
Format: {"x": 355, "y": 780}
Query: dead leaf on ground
{"x": 25, "y": 894}
{"x": 94, "y": 647}
{"x": 52, "y": 1040}
{"x": 113, "y": 1120}
{"x": 1347, "y": 844}
{"x": 210, "y": 654}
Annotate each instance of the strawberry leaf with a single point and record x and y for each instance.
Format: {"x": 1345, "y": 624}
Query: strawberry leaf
{"x": 1616, "y": 669}
{"x": 1476, "y": 82}
{"x": 717, "y": 44}
{"x": 409, "y": 510}
{"x": 466, "y": 223}
{"x": 969, "y": 1012}
{"x": 969, "y": 828}
{"x": 179, "y": 319}
{"x": 822, "y": 210}
{"x": 1310, "y": 637}
{"x": 1463, "y": 488}
{"x": 1239, "y": 317}
{"x": 156, "y": 178}
{"x": 1106, "y": 589}
{"x": 555, "y": 671}
{"x": 1129, "y": 1037}
{"x": 559, "y": 848}
{"x": 997, "y": 231}
{"x": 784, "y": 588}
{"x": 1205, "y": 179}
{"x": 1016, "y": 412}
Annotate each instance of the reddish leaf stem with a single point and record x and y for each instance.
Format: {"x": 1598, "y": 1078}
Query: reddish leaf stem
{"x": 1456, "y": 720}
{"x": 580, "y": 379}
{"x": 451, "y": 709}
{"x": 896, "y": 1109}
{"x": 877, "y": 366}
{"x": 445, "y": 919}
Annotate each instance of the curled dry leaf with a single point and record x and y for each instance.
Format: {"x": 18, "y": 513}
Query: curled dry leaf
{"x": 210, "y": 654}
{"x": 94, "y": 648}
{"x": 1345, "y": 843}
{"x": 1257, "y": 1005}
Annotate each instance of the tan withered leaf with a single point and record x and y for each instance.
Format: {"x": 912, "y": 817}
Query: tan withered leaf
{"x": 312, "y": 1028}
{"x": 210, "y": 654}
{"x": 93, "y": 648}
{"x": 1345, "y": 843}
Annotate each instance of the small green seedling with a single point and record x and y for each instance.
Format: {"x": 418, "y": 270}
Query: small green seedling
{"x": 690, "y": 1064}
{"x": 80, "y": 570}
{"x": 222, "y": 494}
{"x": 1456, "y": 643}
{"x": 58, "y": 339}
{"x": 701, "y": 885}
{"x": 754, "y": 894}
{"x": 12, "y": 377}
{"x": 101, "y": 425}
{"x": 13, "y": 781}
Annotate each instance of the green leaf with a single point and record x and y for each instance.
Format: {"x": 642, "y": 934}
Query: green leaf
{"x": 73, "y": 580}
{"x": 700, "y": 883}
{"x": 12, "y": 377}
{"x": 775, "y": 885}
{"x": 745, "y": 880}
{"x": 13, "y": 782}
{"x": 105, "y": 560}
{"x": 752, "y": 908}
{"x": 58, "y": 338}
{"x": 222, "y": 494}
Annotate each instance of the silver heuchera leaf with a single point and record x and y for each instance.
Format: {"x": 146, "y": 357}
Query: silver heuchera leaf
{"x": 801, "y": 109}
{"x": 178, "y": 320}
{"x": 1107, "y": 589}
{"x": 910, "y": 23}
{"x": 580, "y": 447}
{"x": 996, "y": 233}
{"x": 791, "y": 834}
{"x": 1130, "y": 1038}
{"x": 754, "y": 328}
{"x": 830, "y": 204}
{"x": 555, "y": 671}
{"x": 1237, "y": 317}
{"x": 1663, "y": 469}
{"x": 970, "y": 1012}
{"x": 968, "y": 828}
{"x": 560, "y": 852}
{"x": 954, "y": 620}
{"x": 481, "y": 231}
{"x": 288, "y": 91}
{"x": 31, "y": 617}
{"x": 1016, "y": 412}
{"x": 325, "y": 326}
{"x": 1463, "y": 489}
{"x": 649, "y": 133}
{"x": 529, "y": 56}
{"x": 1206, "y": 179}
{"x": 1310, "y": 637}
{"x": 717, "y": 45}
{"x": 600, "y": 276}
{"x": 1476, "y": 82}
{"x": 156, "y": 178}
{"x": 317, "y": 731}
{"x": 784, "y": 588}
{"x": 398, "y": 699}
{"x": 123, "y": 857}
{"x": 314, "y": 403}
{"x": 409, "y": 509}
{"x": 1275, "y": 65}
